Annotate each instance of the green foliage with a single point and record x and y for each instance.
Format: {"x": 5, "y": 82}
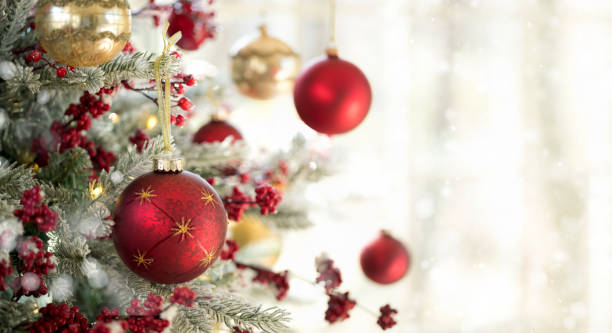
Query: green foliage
{"x": 13, "y": 316}
{"x": 15, "y": 179}
{"x": 70, "y": 169}
{"x": 11, "y": 24}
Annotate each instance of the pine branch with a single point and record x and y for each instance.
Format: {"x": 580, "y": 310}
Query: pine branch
{"x": 13, "y": 314}
{"x": 69, "y": 169}
{"x": 287, "y": 219}
{"x": 208, "y": 159}
{"x": 69, "y": 250}
{"x": 136, "y": 66}
{"x": 234, "y": 311}
{"x": 190, "y": 320}
{"x": 129, "y": 165}
{"x": 14, "y": 179}
{"x": 12, "y": 23}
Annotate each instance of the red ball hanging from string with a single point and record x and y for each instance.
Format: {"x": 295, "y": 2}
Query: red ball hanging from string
{"x": 194, "y": 23}
{"x": 170, "y": 224}
{"x": 386, "y": 260}
{"x": 332, "y": 96}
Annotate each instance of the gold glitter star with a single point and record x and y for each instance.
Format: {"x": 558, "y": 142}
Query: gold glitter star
{"x": 146, "y": 194}
{"x": 208, "y": 198}
{"x": 140, "y": 259}
{"x": 183, "y": 228}
{"x": 208, "y": 257}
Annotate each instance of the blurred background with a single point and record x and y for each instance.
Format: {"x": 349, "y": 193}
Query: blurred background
{"x": 487, "y": 151}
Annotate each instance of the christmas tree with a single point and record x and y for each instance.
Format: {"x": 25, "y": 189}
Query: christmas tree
{"x": 89, "y": 177}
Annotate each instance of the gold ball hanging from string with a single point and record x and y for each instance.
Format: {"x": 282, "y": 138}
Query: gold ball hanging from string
{"x": 263, "y": 67}
{"x": 83, "y": 32}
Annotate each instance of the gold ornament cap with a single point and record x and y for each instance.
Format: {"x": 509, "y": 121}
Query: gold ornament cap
{"x": 167, "y": 164}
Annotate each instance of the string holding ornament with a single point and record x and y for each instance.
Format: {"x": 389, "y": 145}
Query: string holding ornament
{"x": 332, "y": 95}
{"x": 170, "y": 224}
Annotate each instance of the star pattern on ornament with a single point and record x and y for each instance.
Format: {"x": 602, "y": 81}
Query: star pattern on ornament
{"x": 146, "y": 194}
{"x": 208, "y": 257}
{"x": 140, "y": 259}
{"x": 208, "y": 198}
{"x": 183, "y": 228}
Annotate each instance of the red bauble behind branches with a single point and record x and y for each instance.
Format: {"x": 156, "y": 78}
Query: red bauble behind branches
{"x": 169, "y": 227}
{"x": 194, "y": 23}
{"x": 216, "y": 131}
{"x": 385, "y": 260}
{"x": 332, "y": 95}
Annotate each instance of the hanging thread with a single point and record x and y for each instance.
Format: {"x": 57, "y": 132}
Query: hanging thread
{"x": 163, "y": 95}
{"x": 332, "y": 21}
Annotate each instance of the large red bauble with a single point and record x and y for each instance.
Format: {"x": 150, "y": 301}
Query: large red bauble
{"x": 169, "y": 227}
{"x": 193, "y": 23}
{"x": 332, "y": 95}
{"x": 216, "y": 131}
{"x": 385, "y": 260}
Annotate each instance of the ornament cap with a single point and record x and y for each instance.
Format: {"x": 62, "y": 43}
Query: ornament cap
{"x": 332, "y": 52}
{"x": 167, "y": 164}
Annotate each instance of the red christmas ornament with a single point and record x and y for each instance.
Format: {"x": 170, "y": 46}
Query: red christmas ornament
{"x": 216, "y": 131}
{"x": 332, "y": 95}
{"x": 385, "y": 260}
{"x": 194, "y": 24}
{"x": 169, "y": 227}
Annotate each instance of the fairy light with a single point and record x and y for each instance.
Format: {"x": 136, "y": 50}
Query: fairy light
{"x": 114, "y": 118}
{"x": 152, "y": 122}
{"x": 95, "y": 190}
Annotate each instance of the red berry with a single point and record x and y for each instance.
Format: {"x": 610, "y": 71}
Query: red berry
{"x": 61, "y": 71}
{"x": 185, "y": 104}
{"x": 33, "y": 56}
{"x": 189, "y": 80}
{"x": 180, "y": 120}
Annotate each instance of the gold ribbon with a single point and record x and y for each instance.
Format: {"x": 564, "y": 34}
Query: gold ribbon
{"x": 163, "y": 95}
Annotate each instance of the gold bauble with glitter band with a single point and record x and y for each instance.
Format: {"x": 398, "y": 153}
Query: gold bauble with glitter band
{"x": 83, "y": 32}
{"x": 264, "y": 67}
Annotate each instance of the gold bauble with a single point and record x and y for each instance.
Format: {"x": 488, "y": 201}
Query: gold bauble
{"x": 264, "y": 67}
{"x": 83, "y": 32}
{"x": 258, "y": 244}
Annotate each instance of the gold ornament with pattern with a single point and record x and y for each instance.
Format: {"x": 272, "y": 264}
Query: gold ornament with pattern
{"x": 264, "y": 67}
{"x": 83, "y": 32}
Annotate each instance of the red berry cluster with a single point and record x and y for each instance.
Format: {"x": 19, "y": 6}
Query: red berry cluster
{"x": 33, "y": 56}
{"x": 5, "y": 270}
{"x": 236, "y": 204}
{"x": 140, "y": 139}
{"x": 42, "y": 153}
{"x": 128, "y": 48}
{"x": 279, "y": 280}
{"x": 34, "y": 262}
{"x": 386, "y": 320}
{"x": 229, "y": 250}
{"x": 60, "y": 318}
{"x": 194, "y": 23}
{"x": 237, "y": 329}
{"x": 267, "y": 198}
{"x": 338, "y": 307}
{"x": 183, "y": 296}
{"x": 108, "y": 315}
{"x": 33, "y": 210}
{"x": 70, "y": 134}
{"x": 146, "y": 319}
{"x": 328, "y": 274}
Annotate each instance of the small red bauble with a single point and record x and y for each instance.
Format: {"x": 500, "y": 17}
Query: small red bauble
{"x": 194, "y": 24}
{"x": 216, "y": 131}
{"x": 385, "y": 260}
{"x": 332, "y": 95}
{"x": 169, "y": 227}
